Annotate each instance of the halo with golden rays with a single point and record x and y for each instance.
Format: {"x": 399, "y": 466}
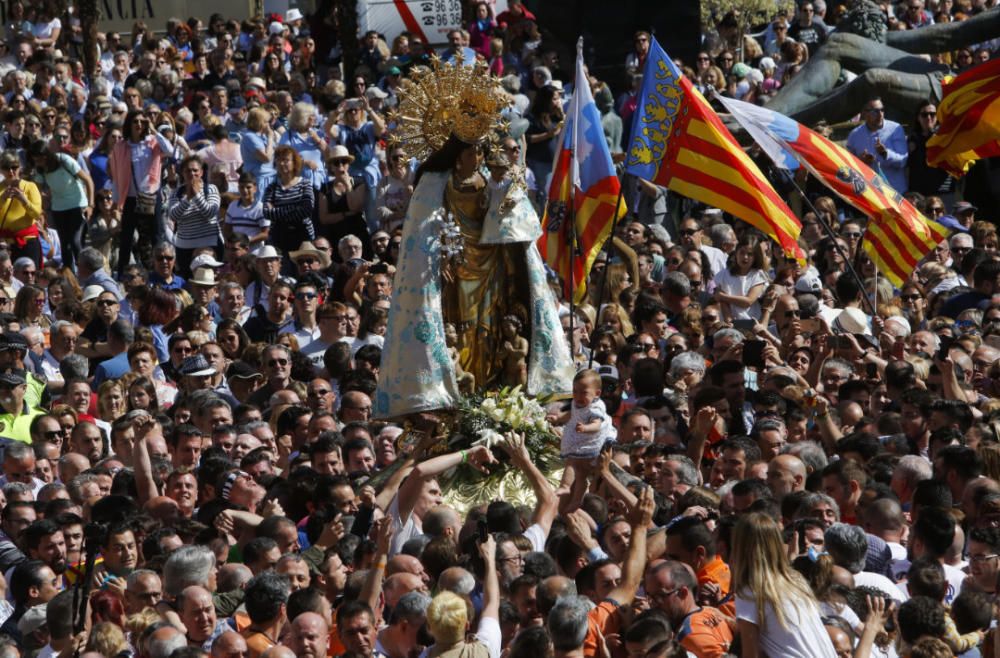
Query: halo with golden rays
{"x": 448, "y": 99}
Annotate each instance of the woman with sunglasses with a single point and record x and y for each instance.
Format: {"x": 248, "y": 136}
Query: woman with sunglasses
{"x": 927, "y": 180}
{"x": 20, "y": 210}
{"x": 135, "y": 167}
{"x": 71, "y": 195}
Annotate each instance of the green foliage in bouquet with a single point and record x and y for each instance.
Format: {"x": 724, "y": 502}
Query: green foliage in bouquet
{"x": 485, "y": 419}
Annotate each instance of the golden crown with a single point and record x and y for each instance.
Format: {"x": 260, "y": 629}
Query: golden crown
{"x": 448, "y": 99}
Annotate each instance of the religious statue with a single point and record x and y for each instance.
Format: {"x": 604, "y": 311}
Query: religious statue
{"x": 466, "y": 382}
{"x": 513, "y": 352}
{"x": 468, "y": 255}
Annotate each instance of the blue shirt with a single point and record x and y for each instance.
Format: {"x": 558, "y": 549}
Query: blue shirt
{"x": 893, "y": 165}
{"x": 113, "y": 368}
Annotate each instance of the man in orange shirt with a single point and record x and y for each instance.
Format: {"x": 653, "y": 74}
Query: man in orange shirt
{"x": 703, "y": 631}
{"x": 266, "y": 600}
{"x": 690, "y": 541}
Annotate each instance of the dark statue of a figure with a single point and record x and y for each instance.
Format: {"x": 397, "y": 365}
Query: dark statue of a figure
{"x": 887, "y": 64}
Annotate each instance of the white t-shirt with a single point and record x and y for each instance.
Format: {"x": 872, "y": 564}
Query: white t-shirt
{"x": 402, "y": 530}
{"x": 955, "y": 578}
{"x": 880, "y": 582}
{"x": 740, "y": 285}
{"x": 805, "y": 636}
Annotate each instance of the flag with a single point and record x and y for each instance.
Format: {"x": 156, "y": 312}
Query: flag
{"x": 898, "y": 236}
{"x": 679, "y": 142}
{"x": 584, "y": 188}
{"x": 968, "y": 120}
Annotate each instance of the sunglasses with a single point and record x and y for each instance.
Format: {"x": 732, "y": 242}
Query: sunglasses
{"x": 107, "y": 302}
{"x": 305, "y": 296}
{"x": 277, "y": 362}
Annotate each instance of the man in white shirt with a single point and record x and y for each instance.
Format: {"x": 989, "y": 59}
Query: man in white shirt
{"x": 692, "y": 235}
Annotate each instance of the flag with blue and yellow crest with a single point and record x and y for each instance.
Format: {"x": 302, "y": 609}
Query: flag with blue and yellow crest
{"x": 679, "y": 142}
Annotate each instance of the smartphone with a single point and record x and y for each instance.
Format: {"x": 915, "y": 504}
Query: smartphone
{"x": 842, "y": 342}
{"x": 871, "y": 370}
{"x": 483, "y": 529}
{"x": 946, "y": 342}
{"x": 753, "y": 353}
{"x": 810, "y": 325}
{"x": 744, "y": 325}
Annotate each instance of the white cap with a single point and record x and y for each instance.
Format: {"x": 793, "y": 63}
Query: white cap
{"x": 205, "y": 260}
{"x": 275, "y": 28}
{"x": 92, "y": 292}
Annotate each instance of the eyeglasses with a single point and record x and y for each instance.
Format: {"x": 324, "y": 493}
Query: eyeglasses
{"x": 928, "y": 114}
{"x": 4, "y": 301}
{"x": 183, "y": 350}
{"x": 876, "y": 110}
{"x": 910, "y": 298}
{"x": 795, "y": 313}
{"x": 273, "y": 363}
{"x": 852, "y": 234}
{"x": 704, "y": 58}
{"x": 982, "y": 558}
{"x": 320, "y": 392}
{"x": 689, "y": 231}
{"x": 53, "y": 434}
{"x": 647, "y": 347}
{"x": 340, "y": 163}
{"x": 107, "y": 302}
{"x": 306, "y": 296}
{"x": 165, "y": 259}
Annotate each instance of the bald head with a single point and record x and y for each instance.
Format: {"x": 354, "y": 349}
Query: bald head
{"x": 229, "y": 645}
{"x": 785, "y": 474}
{"x": 309, "y": 636}
{"x": 550, "y": 590}
{"x": 162, "y": 508}
{"x": 399, "y": 584}
{"x": 233, "y": 576}
{"x": 406, "y": 564}
{"x": 278, "y": 651}
{"x": 456, "y": 580}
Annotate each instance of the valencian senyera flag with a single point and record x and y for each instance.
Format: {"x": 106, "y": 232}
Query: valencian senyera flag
{"x": 583, "y": 192}
{"x": 897, "y": 237}
{"x": 968, "y": 120}
{"x": 679, "y": 142}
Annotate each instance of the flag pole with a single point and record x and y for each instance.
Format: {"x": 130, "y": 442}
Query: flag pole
{"x": 610, "y": 244}
{"x": 571, "y": 211}
{"x": 836, "y": 245}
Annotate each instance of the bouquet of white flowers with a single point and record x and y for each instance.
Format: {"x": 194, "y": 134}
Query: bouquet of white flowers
{"x": 486, "y": 419}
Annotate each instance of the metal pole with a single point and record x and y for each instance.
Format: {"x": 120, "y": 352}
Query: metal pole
{"x": 836, "y": 245}
{"x": 610, "y": 243}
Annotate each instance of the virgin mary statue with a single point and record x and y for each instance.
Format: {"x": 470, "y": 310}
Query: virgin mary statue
{"x": 468, "y": 260}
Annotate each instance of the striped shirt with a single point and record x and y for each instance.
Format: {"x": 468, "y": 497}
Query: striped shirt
{"x": 247, "y": 220}
{"x": 196, "y": 219}
{"x": 291, "y": 207}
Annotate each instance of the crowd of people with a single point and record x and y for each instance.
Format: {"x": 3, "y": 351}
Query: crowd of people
{"x": 198, "y": 259}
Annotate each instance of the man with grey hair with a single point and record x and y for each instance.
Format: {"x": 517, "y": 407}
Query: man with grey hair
{"x": 847, "y": 544}
{"x": 25, "y": 271}
{"x": 724, "y": 237}
{"x": 405, "y": 623}
{"x": 90, "y": 265}
{"x": 811, "y": 454}
{"x": 675, "y": 292}
{"x": 818, "y": 506}
{"x": 142, "y": 590}
{"x": 567, "y": 622}
{"x": 189, "y": 565}
{"x": 677, "y": 477}
{"x": 164, "y": 260}
{"x": 834, "y": 373}
{"x": 63, "y": 343}
{"x": 910, "y": 471}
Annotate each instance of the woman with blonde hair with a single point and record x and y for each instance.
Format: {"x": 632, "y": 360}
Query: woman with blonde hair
{"x": 304, "y": 138}
{"x": 111, "y": 400}
{"x": 776, "y": 610}
{"x": 617, "y": 317}
{"x": 257, "y": 148}
{"x": 449, "y": 614}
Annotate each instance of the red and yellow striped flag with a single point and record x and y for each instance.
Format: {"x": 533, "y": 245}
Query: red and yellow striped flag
{"x": 898, "y": 236}
{"x": 679, "y": 142}
{"x": 968, "y": 120}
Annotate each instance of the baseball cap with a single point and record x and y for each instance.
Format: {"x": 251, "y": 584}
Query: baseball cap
{"x": 809, "y": 283}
